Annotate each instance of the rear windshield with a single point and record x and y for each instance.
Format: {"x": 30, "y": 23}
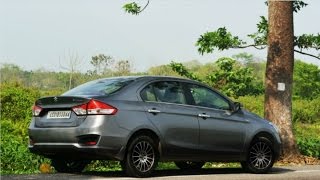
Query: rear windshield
{"x": 99, "y": 87}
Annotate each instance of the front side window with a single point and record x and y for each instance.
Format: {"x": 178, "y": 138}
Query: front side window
{"x": 207, "y": 98}
{"x": 171, "y": 92}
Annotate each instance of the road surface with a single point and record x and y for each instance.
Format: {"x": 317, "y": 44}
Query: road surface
{"x": 283, "y": 172}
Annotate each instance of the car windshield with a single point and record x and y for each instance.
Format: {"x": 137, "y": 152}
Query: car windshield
{"x": 99, "y": 87}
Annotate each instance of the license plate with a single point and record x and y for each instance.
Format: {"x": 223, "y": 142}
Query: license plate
{"x": 59, "y": 115}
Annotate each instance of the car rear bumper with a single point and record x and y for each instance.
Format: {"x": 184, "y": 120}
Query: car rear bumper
{"x": 76, "y": 151}
{"x": 96, "y": 138}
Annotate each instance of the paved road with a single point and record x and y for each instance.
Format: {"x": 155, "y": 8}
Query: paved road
{"x": 294, "y": 172}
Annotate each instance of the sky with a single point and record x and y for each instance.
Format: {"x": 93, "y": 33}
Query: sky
{"x": 44, "y": 34}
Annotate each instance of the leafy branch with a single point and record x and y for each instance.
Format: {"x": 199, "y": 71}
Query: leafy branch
{"x": 134, "y": 8}
{"x": 221, "y": 39}
{"x": 183, "y": 71}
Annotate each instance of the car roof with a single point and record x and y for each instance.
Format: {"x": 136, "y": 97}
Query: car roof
{"x": 147, "y": 77}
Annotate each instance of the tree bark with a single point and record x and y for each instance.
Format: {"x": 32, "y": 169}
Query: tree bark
{"x": 279, "y": 73}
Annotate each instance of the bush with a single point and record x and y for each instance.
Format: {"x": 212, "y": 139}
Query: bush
{"x": 15, "y": 156}
{"x": 16, "y": 101}
{"x": 308, "y": 139}
{"x": 306, "y": 111}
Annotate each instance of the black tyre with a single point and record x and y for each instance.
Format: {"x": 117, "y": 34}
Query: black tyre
{"x": 142, "y": 157}
{"x": 260, "y": 157}
{"x": 189, "y": 165}
{"x": 69, "y": 166}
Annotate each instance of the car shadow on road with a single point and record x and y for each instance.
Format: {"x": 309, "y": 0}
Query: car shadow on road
{"x": 177, "y": 172}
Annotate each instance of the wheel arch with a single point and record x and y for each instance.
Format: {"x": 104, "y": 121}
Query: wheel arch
{"x": 269, "y": 136}
{"x": 144, "y": 131}
{"x": 263, "y": 134}
{"x": 148, "y": 132}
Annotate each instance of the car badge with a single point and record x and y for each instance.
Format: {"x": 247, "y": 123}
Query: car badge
{"x": 55, "y": 99}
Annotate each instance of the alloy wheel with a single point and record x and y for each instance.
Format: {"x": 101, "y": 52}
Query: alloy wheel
{"x": 260, "y": 155}
{"x": 143, "y": 156}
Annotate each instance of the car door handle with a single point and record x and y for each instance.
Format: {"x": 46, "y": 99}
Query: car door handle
{"x": 204, "y": 116}
{"x": 153, "y": 111}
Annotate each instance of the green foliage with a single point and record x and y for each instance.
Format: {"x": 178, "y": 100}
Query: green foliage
{"x": 234, "y": 80}
{"x": 163, "y": 70}
{"x": 132, "y": 8}
{"x": 257, "y": 107}
{"x": 15, "y": 156}
{"x": 183, "y": 71}
{"x": 309, "y": 146}
{"x": 260, "y": 37}
{"x": 16, "y": 101}
{"x": 306, "y": 111}
{"x": 306, "y": 41}
{"x": 103, "y": 165}
{"x": 306, "y": 80}
{"x": 308, "y": 138}
{"x": 297, "y": 5}
{"x": 220, "y": 39}
{"x": 166, "y": 165}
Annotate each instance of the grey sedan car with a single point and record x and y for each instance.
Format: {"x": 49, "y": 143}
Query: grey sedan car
{"x": 140, "y": 120}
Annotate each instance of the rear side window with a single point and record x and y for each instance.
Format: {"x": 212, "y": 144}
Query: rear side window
{"x": 99, "y": 87}
{"x": 171, "y": 92}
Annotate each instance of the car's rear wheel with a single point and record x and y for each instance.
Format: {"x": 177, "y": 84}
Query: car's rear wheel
{"x": 142, "y": 157}
{"x": 260, "y": 156}
{"x": 69, "y": 166}
{"x": 189, "y": 165}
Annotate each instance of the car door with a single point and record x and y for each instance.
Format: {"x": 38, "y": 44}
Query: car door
{"x": 222, "y": 133}
{"x": 166, "y": 108}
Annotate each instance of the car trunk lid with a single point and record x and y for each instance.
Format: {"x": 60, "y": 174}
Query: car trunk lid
{"x": 58, "y": 111}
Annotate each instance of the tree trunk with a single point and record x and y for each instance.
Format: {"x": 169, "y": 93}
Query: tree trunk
{"x": 279, "y": 73}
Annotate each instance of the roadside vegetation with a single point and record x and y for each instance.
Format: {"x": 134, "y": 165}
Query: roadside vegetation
{"x": 240, "y": 77}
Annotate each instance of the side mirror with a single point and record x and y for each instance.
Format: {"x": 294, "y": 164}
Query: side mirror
{"x": 236, "y": 106}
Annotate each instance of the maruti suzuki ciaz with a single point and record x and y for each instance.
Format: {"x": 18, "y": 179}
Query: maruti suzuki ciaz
{"x": 141, "y": 120}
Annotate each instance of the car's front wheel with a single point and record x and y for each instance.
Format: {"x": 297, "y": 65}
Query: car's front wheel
{"x": 189, "y": 165}
{"x": 142, "y": 157}
{"x": 69, "y": 166}
{"x": 260, "y": 157}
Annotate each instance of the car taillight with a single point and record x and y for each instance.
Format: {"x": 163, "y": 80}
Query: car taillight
{"x": 80, "y": 110}
{"x": 36, "y": 110}
{"x": 95, "y": 107}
